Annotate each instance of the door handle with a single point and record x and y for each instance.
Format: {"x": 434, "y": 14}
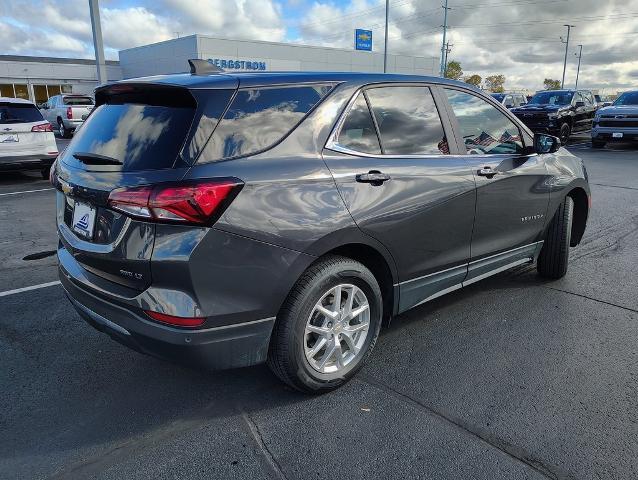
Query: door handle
{"x": 374, "y": 177}
{"x": 487, "y": 172}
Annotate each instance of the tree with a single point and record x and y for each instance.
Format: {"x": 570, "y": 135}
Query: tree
{"x": 474, "y": 80}
{"x": 551, "y": 84}
{"x": 495, "y": 83}
{"x": 454, "y": 70}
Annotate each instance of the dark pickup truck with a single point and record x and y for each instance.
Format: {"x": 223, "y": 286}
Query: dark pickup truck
{"x": 559, "y": 112}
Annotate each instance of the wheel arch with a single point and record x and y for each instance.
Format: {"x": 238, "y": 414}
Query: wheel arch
{"x": 372, "y": 259}
{"x": 581, "y": 212}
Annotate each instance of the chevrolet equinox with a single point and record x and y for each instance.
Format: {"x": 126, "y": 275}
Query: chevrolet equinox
{"x": 225, "y": 220}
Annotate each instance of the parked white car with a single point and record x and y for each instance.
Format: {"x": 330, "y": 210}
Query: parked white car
{"x": 67, "y": 112}
{"x": 26, "y": 138}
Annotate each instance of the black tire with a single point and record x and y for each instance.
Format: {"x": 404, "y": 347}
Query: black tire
{"x": 64, "y": 132}
{"x": 286, "y": 357}
{"x": 554, "y": 256}
{"x": 597, "y": 144}
{"x": 565, "y": 133}
{"x": 45, "y": 172}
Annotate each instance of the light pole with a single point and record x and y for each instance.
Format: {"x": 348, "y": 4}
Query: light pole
{"x": 94, "y": 8}
{"x": 580, "y": 55}
{"x": 385, "y": 40}
{"x": 443, "y": 46}
{"x": 569, "y": 29}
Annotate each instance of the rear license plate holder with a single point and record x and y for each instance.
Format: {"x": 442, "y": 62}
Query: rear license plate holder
{"x": 9, "y": 138}
{"x": 83, "y": 220}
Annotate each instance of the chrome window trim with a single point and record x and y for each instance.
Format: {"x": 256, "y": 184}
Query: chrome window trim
{"x": 332, "y": 144}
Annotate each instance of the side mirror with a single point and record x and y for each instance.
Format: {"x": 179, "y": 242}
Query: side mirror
{"x": 546, "y": 143}
{"x": 580, "y": 104}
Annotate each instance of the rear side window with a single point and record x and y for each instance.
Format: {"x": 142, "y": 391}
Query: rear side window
{"x": 485, "y": 129}
{"x": 357, "y": 132}
{"x": 408, "y": 120}
{"x": 78, "y": 101}
{"x": 141, "y": 136}
{"x": 19, "y": 113}
{"x": 258, "y": 118}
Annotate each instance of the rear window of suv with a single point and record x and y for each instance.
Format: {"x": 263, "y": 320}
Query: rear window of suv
{"x": 19, "y": 113}
{"x": 144, "y": 131}
{"x": 78, "y": 101}
{"x": 258, "y": 118}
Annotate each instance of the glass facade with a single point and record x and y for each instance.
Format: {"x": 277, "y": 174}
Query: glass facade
{"x": 41, "y": 93}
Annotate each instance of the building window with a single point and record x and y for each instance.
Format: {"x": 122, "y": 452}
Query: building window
{"x": 40, "y": 94}
{"x": 6, "y": 90}
{"x": 21, "y": 91}
{"x": 53, "y": 90}
{"x": 67, "y": 89}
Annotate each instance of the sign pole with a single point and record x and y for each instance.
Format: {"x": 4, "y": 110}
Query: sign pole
{"x": 385, "y": 48}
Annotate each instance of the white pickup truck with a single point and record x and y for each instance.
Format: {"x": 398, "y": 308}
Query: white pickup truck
{"x": 67, "y": 112}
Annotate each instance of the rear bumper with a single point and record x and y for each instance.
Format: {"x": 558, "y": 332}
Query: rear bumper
{"x": 72, "y": 124}
{"x": 230, "y": 346}
{"x": 26, "y": 162}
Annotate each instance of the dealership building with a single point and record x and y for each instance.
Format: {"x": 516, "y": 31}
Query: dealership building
{"x": 38, "y": 78}
{"x": 243, "y": 55}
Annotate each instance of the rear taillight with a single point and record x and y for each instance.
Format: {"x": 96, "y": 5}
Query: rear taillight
{"x": 69, "y": 113}
{"x": 200, "y": 202}
{"x": 177, "y": 321}
{"x": 43, "y": 127}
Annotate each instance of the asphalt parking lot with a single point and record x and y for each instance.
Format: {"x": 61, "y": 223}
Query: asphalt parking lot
{"x": 513, "y": 377}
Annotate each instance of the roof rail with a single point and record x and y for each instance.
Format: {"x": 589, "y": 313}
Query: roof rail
{"x": 202, "y": 67}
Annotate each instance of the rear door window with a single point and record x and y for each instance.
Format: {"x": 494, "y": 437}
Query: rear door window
{"x": 485, "y": 129}
{"x": 357, "y": 131}
{"x": 258, "y": 118}
{"x": 19, "y": 113}
{"x": 408, "y": 120}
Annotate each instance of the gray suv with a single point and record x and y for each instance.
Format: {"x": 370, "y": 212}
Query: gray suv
{"x": 224, "y": 220}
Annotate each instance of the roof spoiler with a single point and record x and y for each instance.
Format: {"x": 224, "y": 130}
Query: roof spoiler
{"x": 202, "y": 67}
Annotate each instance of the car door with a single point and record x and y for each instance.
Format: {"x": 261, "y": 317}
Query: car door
{"x": 511, "y": 195}
{"x": 591, "y": 106}
{"x": 397, "y": 174}
{"x": 580, "y": 112}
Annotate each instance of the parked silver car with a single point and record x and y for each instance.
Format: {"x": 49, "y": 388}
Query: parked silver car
{"x": 618, "y": 122}
{"x": 67, "y": 112}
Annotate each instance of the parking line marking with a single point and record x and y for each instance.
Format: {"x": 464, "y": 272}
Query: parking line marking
{"x": 26, "y": 289}
{"x": 27, "y": 191}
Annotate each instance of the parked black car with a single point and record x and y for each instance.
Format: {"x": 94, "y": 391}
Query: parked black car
{"x": 559, "y": 112}
{"x": 227, "y": 220}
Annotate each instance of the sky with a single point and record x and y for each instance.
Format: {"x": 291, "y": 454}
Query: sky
{"x": 520, "y": 39}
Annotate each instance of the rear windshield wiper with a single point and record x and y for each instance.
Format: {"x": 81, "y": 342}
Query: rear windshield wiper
{"x": 96, "y": 159}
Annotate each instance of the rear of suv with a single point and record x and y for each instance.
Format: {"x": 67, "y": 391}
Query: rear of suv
{"x": 26, "y": 139}
{"x": 226, "y": 220}
{"x": 67, "y": 112}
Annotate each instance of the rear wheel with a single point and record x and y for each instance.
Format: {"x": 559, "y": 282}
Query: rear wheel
{"x": 64, "y": 132}
{"x": 45, "y": 172}
{"x": 565, "y": 133}
{"x": 327, "y": 326}
{"x": 597, "y": 144}
{"x": 554, "y": 256}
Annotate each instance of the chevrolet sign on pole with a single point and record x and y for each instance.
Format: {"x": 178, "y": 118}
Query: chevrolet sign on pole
{"x": 363, "y": 39}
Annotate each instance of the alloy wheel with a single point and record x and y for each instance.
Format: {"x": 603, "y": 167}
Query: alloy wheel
{"x": 337, "y": 328}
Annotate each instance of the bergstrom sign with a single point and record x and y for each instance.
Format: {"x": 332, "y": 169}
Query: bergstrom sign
{"x": 238, "y": 64}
